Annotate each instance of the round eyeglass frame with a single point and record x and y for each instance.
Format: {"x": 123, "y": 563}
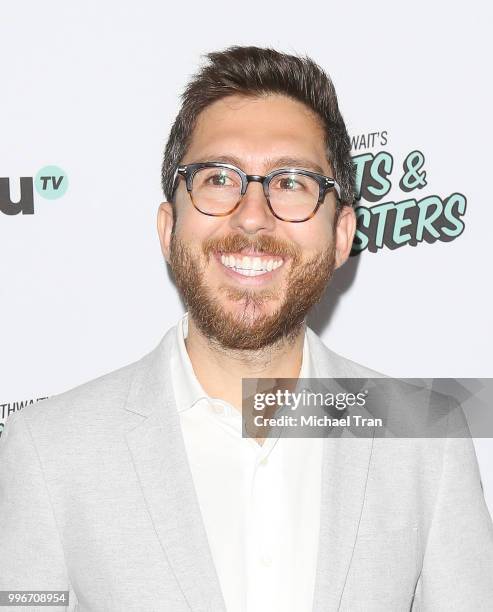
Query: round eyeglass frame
{"x": 325, "y": 183}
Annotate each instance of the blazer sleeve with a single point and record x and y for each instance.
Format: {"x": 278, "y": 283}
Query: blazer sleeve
{"x": 31, "y": 554}
{"x": 457, "y": 571}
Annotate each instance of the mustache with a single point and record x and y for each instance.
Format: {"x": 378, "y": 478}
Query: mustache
{"x": 234, "y": 243}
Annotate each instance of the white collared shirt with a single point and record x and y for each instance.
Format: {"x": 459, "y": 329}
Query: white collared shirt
{"x": 260, "y": 504}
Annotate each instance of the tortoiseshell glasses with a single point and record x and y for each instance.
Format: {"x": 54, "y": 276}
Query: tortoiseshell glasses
{"x": 292, "y": 194}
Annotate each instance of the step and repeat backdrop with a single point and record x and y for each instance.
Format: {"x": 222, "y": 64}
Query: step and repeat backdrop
{"x": 88, "y": 94}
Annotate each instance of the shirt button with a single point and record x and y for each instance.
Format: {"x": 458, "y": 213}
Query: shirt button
{"x": 217, "y": 409}
{"x": 264, "y": 461}
{"x": 266, "y": 560}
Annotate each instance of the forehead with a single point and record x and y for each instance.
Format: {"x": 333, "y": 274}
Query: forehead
{"x": 253, "y": 129}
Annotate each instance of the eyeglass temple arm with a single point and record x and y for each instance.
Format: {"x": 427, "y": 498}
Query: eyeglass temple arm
{"x": 174, "y": 183}
{"x": 337, "y": 189}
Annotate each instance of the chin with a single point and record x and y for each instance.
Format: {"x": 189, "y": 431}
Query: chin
{"x": 250, "y": 309}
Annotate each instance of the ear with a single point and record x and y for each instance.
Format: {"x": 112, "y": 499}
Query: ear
{"x": 164, "y": 227}
{"x": 345, "y": 229}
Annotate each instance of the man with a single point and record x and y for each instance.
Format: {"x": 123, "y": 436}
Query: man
{"x": 138, "y": 492}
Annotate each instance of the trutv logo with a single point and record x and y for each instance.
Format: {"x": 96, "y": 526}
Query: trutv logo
{"x": 50, "y": 182}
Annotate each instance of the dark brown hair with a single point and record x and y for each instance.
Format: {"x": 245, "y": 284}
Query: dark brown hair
{"x": 256, "y": 71}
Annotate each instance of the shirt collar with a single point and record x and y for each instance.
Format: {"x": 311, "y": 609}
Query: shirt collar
{"x": 188, "y": 390}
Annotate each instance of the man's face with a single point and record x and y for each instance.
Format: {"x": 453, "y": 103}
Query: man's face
{"x": 230, "y": 308}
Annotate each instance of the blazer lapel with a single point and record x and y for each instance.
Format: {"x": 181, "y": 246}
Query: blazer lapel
{"x": 346, "y": 463}
{"x": 160, "y": 460}
{"x": 344, "y": 475}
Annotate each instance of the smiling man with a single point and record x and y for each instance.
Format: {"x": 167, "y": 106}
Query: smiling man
{"x": 251, "y": 259}
{"x": 138, "y": 492}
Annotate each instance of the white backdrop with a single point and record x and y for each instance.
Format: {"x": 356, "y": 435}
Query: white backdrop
{"x": 92, "y": 88}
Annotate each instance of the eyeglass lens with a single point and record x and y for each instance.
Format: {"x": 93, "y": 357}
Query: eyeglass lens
{"x": 292, "y": 196}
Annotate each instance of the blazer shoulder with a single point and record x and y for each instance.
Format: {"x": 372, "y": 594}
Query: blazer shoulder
{"x": 327, "y": 363}
{"x": 410, "y": 408}
{"x": 89, "y": 400}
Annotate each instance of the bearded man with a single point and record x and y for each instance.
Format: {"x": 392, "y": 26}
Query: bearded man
{"x": 138, "y": 491}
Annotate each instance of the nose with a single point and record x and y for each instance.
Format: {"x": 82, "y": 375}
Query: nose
{"x": 253, "y": 212}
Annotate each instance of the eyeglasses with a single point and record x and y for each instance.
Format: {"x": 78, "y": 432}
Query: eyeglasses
{"x": 292, "y": 194}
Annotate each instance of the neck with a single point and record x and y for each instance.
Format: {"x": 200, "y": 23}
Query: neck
{"x": 220, "y": 370}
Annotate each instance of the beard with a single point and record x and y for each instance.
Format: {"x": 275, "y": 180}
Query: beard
{"x": 251, "y": 329}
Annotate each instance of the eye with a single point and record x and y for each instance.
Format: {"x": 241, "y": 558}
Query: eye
{"x": 288, "y": 182}
{"x": 220, "y": 179}
{"x": 216, "y": 178}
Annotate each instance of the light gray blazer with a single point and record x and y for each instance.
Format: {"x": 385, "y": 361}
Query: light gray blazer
{"x": 97, "y": 497}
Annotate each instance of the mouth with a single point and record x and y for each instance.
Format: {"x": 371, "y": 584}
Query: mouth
{"x": 250, "y": 267}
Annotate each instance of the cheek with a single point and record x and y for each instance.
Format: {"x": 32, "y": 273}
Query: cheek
{"x": 312, "y": 237}
{"x": 191, "y": 226}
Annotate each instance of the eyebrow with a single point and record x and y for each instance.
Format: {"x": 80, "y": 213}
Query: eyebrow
{"x": 270, "y": 162}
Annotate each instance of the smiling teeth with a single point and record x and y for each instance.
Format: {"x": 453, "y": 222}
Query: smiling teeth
{"x": 250, "y": 266}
